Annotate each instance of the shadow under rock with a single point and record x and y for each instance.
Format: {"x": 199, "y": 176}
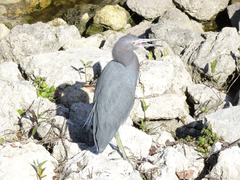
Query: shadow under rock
{"x": 193, "y": 129}
{"x": 73, "y": 104}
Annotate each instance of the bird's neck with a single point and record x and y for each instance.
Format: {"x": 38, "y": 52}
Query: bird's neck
{"x": 130, "y": 61}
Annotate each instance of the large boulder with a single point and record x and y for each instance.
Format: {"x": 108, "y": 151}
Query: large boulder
{"x": 167, "y": 75}
{"x": 228, "y": 165}
{"x": 225, "y": 123}
{"x": 207, "y": 100}
{"x": 34, "y": 39}
{"x": 222, "y": 47}
{"x": 22, "y": 158}
{"x": 177, "y": 38}
{"x": 112, "y": 16}
{"x": 63, "y": 68}
{"x": 177, "y": 17}
{"x": 233, "y": 14}
{"x": 16, "y": 94}
{"x": 202, "y": 9}
{"x": 150, "y": 9}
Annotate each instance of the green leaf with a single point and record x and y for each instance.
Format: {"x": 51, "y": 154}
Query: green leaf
{"x": 183, "y": 117}
{"x": 200, "y": 150}
{"x": 34, "y": 130}
{"x": 1, "y": 139}
{"x": 43, "y": 170}
{"x": 213, "y": 65}
{"x": 40, "y": 165}
{"x": 36, "y": 166}
{"x": 150, "y": 55}
{"x": 47, "y": 90}
{"x": 37, "y": 79}
{"x": 49, "y": 95}
{"x": 82, "y": 62}
{"x": 216, "y": 80}
{"x": 43, "y": 85}
{"x": 44, "y": 94}
{"x": 89, "y": 62}
{"x": 20, "y": 112}
{"x": 52, "y": 89}
{"x": 208, "y": 133}
{"x": 138, "y": 124}
{"x": 164, "y": 53}
{"x": 211, "y": 142}
{"x": 145, "y": 107}
{"x": 89, "y": 66}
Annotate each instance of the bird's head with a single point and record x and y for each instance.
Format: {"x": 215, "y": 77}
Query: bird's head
{"x": 124, "y": 47}
{"x": 131, "y": 42}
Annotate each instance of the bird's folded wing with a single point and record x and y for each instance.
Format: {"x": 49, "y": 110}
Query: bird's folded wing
{"x": 113, "y": 101}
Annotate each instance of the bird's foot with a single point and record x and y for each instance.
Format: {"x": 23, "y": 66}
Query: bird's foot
{"x": 130, "y": 159}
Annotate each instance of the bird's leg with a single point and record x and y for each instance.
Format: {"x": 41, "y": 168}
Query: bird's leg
{"x": 121, "y": 148}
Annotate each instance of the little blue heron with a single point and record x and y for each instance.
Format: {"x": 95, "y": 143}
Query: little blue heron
{"x": 115, "y": 91}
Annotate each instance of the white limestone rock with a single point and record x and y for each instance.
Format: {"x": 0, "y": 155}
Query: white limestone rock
{"x": 3, "y": 31}
{"x": 17, "y": 161}
{"x": 149, "y": 9}
{"x": 34, "y": 39}
{"x": 64, "y": 67}
{"x": 228, "y": 165}
{"x": 225, "y": 123}
{"x": 207, "y": 100}
{"x": 9, "y": 72}
{"x": 202, "y": 10}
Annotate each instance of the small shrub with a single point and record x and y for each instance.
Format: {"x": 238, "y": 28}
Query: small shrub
{"x": 143, "y": 125}
{"x": 86, "y": 65}
{"x": 43, "y": 90}
{"x": 203, "y": 142}
{"x": 38, "y": 168}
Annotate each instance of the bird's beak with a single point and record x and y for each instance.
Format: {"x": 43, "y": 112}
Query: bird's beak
{"x": 144, "y": 42}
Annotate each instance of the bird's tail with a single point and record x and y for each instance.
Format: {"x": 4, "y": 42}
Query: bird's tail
{"x": 89, "y": 119}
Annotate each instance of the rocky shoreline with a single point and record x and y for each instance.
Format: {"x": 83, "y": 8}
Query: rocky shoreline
{"x": 190, "y": 84}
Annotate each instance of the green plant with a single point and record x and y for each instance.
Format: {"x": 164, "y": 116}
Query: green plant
{"x": 143, "y": 125}
{"x": 38, "y": 168}
{"x": 189, "y": 138}
{"x": 43, "y": 90}
{"x": 15, "y": 139}
{"x": 36, "y": 117}
{"x": 144, "y": 122}
{"x": 203, "y": 142}
{"x": 205, "y": 110}
{"x": 206, "y": 107}
{"x": 206, "y": 140}
{"x": 150, "y": 55}
{"x": 20, "y": 112}
{"x": 164, "y": 53}
{"x": 86, "y": 65}
{"x": 213, "y": 67}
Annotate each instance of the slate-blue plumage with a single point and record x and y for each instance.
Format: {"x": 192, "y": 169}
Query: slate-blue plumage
{"x": 115, "y": 90}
